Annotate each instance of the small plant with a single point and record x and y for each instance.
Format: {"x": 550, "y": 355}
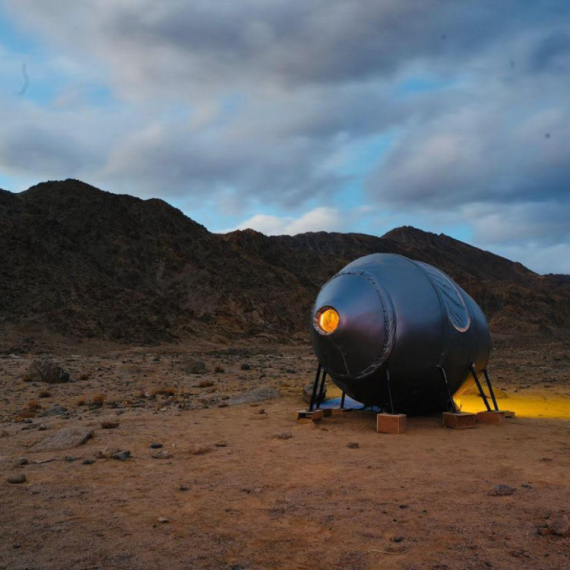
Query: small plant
{"x": 164, "y": 391}
{"x": 219, "y": 370}
{"x": 98, "y": 400}
{"x": 81, "y": 402}
{"x": 45, "y": 394}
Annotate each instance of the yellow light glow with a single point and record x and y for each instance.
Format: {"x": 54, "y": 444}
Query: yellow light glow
{"x": 328, "y": 320}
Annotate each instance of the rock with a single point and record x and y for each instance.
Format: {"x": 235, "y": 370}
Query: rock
{"x": 46, "y": 370}
{"x": 21, "y": 461}
{"x": 162, "y": 454}
{"x": 17, "y": 479}
{"x": 69, "y": 458}
{"x": 155, "y": 445}
{"x": 110, "y": 424}
{"x": 308, "y": 392}
{"x": 221, "y": 444}
{"x": 353, "y": 445}
{"x": 398, "y": 539}
{"x": 4, "y": 433}
{"x": 560, "y": 526}
{"x": 256, "y": 395}
{"x": 200, "y": 449}
{"x": 56, "y": 410}
{"x": 107, "y": 453}
{"x": 121, "y": 455}
{"x": 163, "y": 520}
{"x": 88, "y": 461}
{"x": 245, "y": 366}
{"x": 283, "y": 435}
{"x": 501, "y": 491}
{"x": 193, "y": 366}
{"x": 62, "y": 439}
{"x": 43, "y": 427}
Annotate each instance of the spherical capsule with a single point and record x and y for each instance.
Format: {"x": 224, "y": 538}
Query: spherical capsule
{"x": 385, "y": 311}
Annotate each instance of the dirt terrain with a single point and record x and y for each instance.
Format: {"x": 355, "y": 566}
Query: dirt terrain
{"x": 243, "y": 486}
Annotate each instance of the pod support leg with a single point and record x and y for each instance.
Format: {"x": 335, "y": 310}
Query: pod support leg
{"x": 488, "y": 380}
{"x": 342, "y": 400}
{"x": 449, "y": 395}
{"x": 389, "y": 387}
{"x": 480, "y": 388}
{"x": 315, "y": 388}
{"x": 322, "y": 389}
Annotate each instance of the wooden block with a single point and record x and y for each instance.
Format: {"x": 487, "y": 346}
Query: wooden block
{"x": 391, "y": 423}
{"x": 338, "y": 411}
{"x": 459, "y": 420}
{"x": 492, "y": 417}
{"x": 509, "y": 414}
{"x": 304, "y": 416}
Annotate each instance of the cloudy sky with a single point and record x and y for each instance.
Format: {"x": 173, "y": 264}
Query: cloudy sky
{"x": 289, "y": 116}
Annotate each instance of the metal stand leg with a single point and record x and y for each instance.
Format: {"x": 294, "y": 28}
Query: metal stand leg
{"x": 342, "y": 400}
{"x": 449, "y": 395}
{"x": 322, "y": 390}
{"x": 315, "y": 386}
{"x": 389, "y": 388}
{"x": 479, "y": 387}
{"x": 488, "y": 380}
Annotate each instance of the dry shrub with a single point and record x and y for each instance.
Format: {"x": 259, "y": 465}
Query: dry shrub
{"x": 205, "y": 383}
{"x": 98, "y": 400}
{"x": 219, "y": 369}
{"x": 164, "y": 391}
{"x": 45, "y": 394}
{"x": 26, "y": 414}
{"x": 200, "y": 449}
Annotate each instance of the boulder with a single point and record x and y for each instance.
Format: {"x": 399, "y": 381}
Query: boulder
{"x": 67, "y": 438}
{"x": 193, "y": 366}
{"x": 46, "y": 370}
{"x": 256, "y": 395}
{"x": 308, "y": 392}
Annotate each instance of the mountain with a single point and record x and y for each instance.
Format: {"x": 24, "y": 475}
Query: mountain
{"x": 85, "y": 263}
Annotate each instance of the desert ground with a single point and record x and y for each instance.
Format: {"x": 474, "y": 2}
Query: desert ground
{"x": 230, "y": 485}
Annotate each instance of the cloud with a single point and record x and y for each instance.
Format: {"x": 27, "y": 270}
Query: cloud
{"x": 283, "y": 103}
{"x": 316, "y": 220}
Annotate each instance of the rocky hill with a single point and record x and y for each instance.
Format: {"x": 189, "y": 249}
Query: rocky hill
{"x": 85, "y": 263}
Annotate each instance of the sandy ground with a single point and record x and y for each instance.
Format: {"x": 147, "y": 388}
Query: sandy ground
{"x": 237, "y": 497}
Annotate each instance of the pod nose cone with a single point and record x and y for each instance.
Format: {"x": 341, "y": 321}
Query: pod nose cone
{"x": 352, "y": 326}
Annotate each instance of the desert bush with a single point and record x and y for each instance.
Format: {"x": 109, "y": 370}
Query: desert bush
{"x": 98, "y": 400}
{"x": 164, "y": 391}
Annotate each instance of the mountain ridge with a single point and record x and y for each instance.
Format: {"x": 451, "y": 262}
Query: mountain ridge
{"x": 86, "y": 263}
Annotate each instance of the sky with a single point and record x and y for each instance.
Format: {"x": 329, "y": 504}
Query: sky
{"x": 288, "y": 116}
